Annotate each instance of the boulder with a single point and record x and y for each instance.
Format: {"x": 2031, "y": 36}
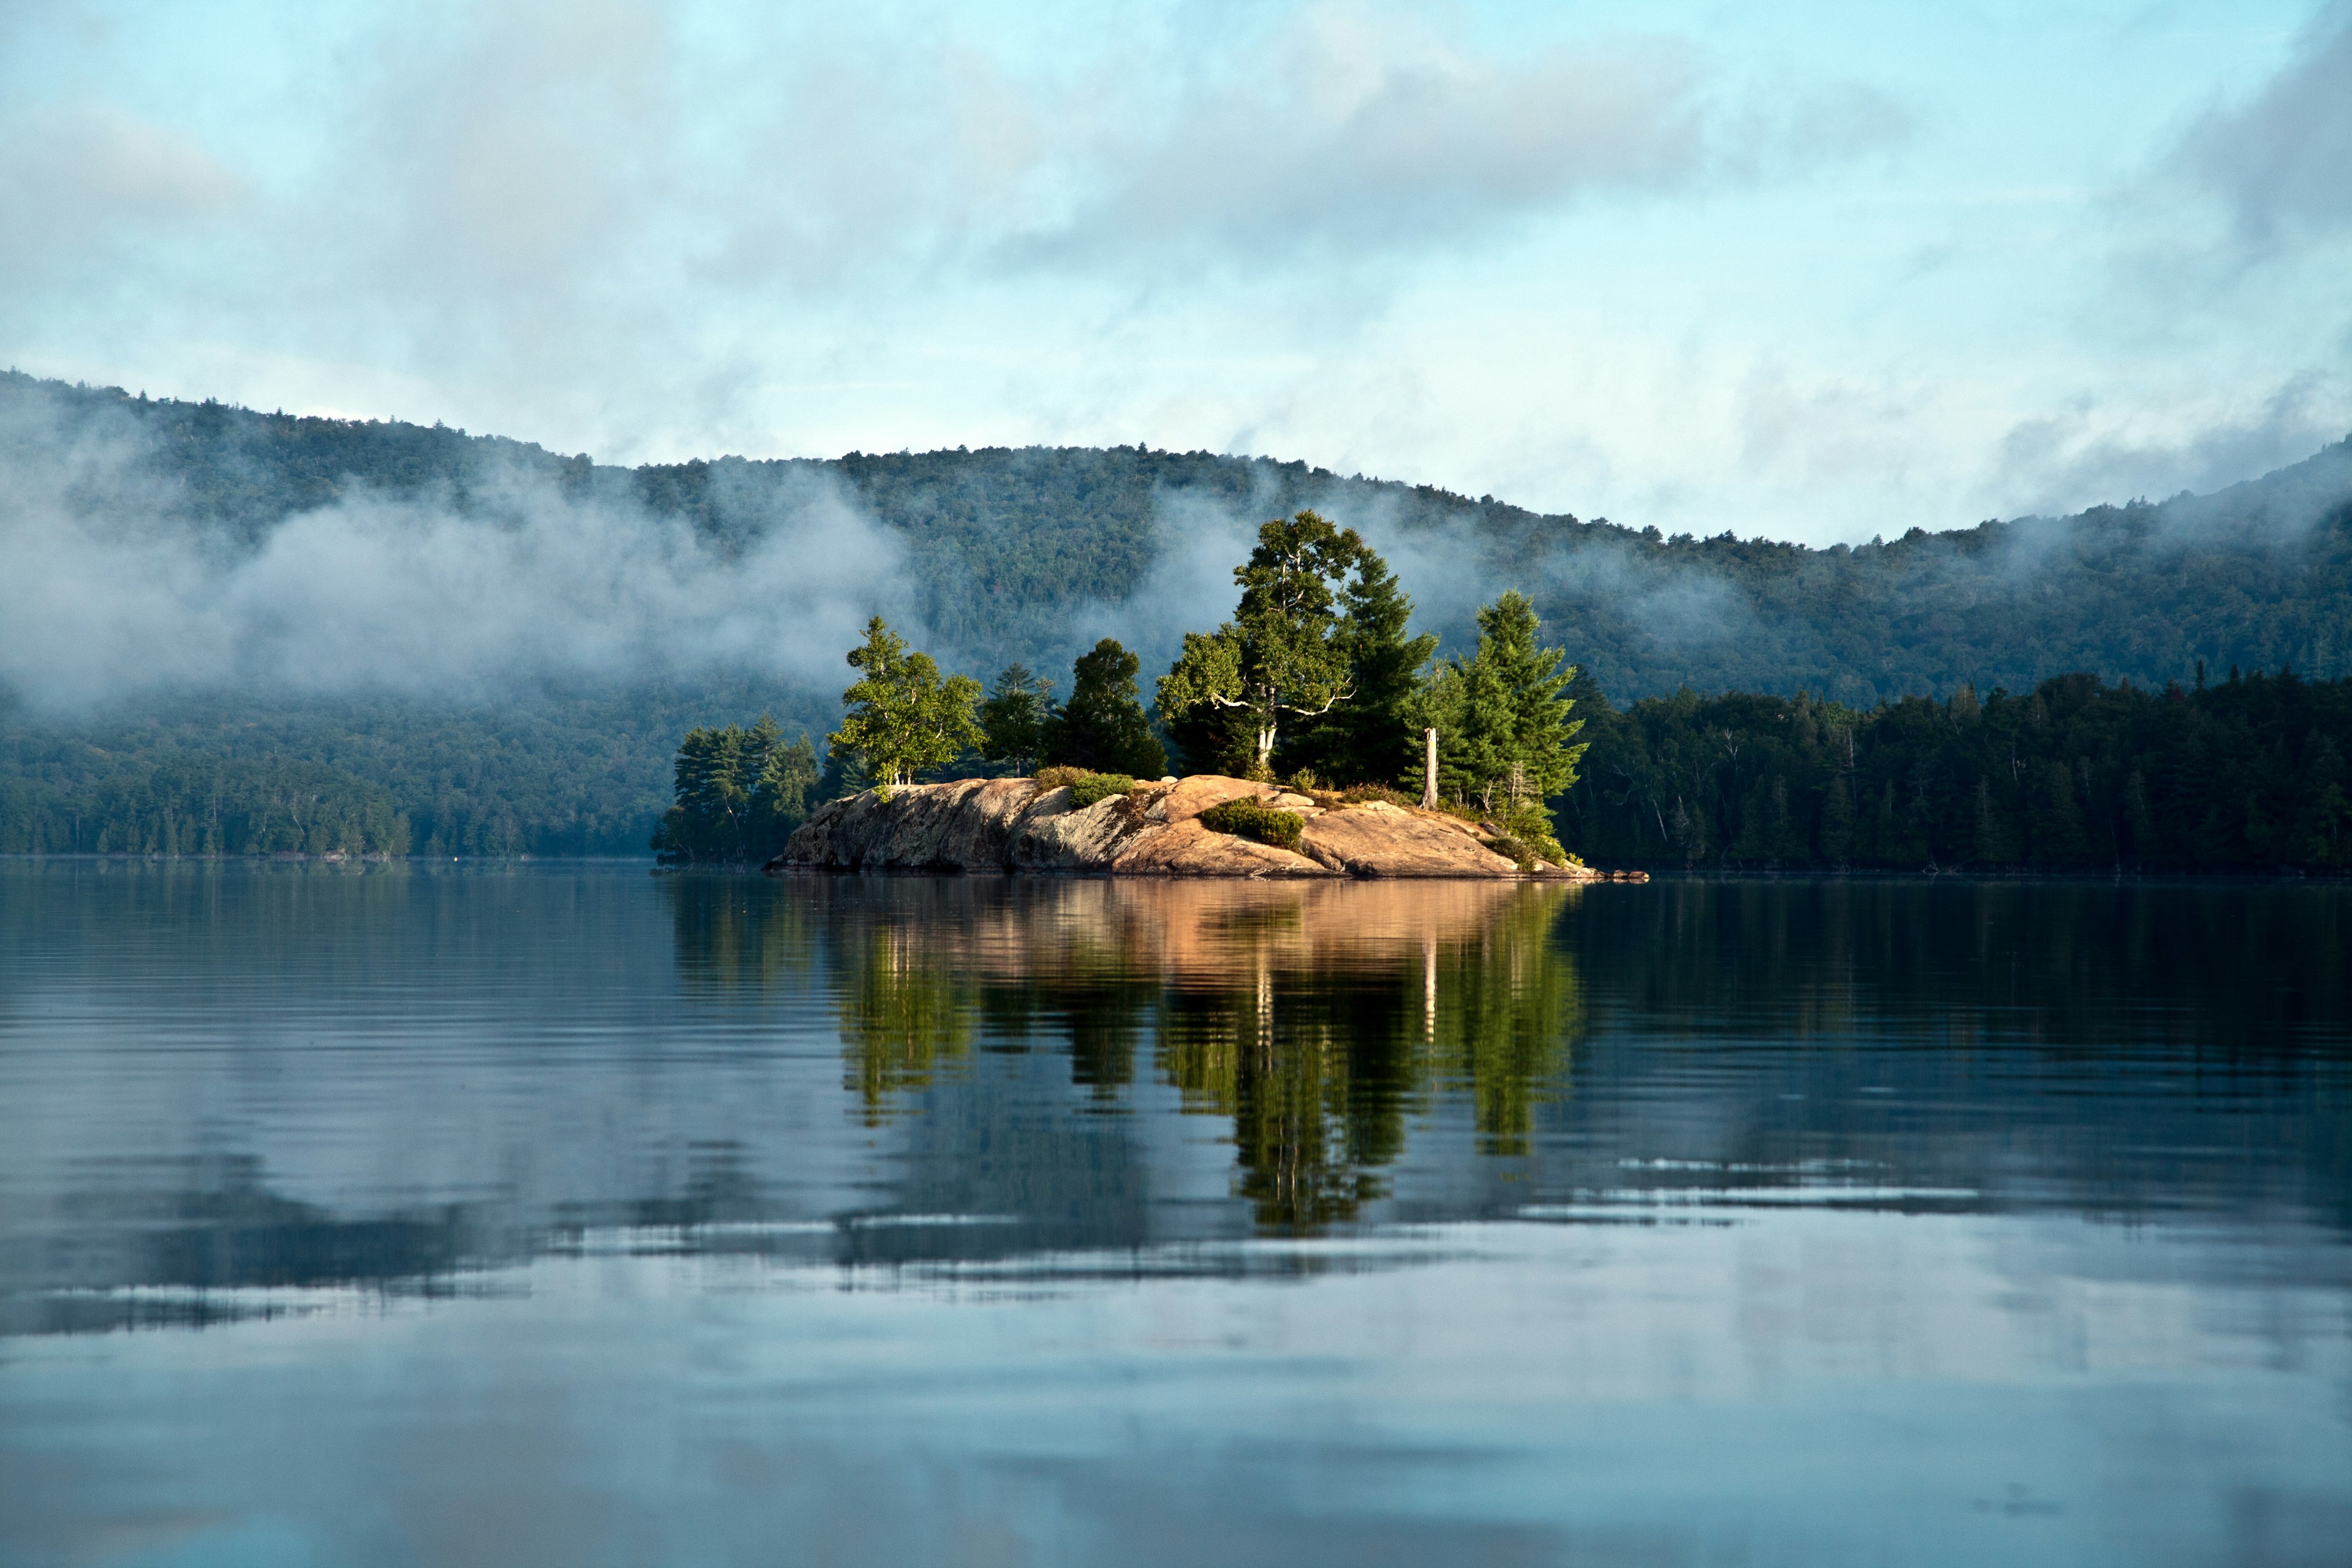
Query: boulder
{"x": 1055, "y": 837}
{"x": 1188, "y": 850}
{"x": 1189, "y": 797}
{"x": 969, "y": 824}
{"x": 1377, "y": 839}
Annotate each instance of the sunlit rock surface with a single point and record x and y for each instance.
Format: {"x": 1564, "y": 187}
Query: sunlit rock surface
{"x": 1009, "y": 824}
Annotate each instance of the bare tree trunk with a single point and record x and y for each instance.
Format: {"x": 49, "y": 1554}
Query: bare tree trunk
{"x": 1429, "y": 769}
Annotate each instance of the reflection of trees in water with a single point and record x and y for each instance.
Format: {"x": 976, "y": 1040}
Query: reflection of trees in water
{"x": 1317, "y": 1019}
{"x": 905, "y": 1015}
{"x": 1319, "y": 1063}
{"x": 1503, "y": 1006}
{"x": 1317, "y": 1084}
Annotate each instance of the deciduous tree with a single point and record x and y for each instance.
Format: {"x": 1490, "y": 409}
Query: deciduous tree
{"x": 1368, "y": 735}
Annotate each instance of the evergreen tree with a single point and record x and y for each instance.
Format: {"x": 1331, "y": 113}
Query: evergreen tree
{"x": 788, "y": 776}
{"x": 1505, "y": 739}
{"x": 904, "y": 716}
{"x": 1016, "y": 721}
{"x": 1102, "y": 727}
{"x": 1369, "y": 734}
{"x": 1279, "y": 654}
{"x": 739, "y": 794}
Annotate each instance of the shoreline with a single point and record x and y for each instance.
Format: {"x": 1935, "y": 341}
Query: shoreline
{"x": 653, "y": 866}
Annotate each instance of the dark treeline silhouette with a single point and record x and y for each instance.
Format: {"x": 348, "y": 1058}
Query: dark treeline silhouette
{"x": 2248, "y": 774}
{"x": 588, "y": 776}
{"x": 199, "y": 805}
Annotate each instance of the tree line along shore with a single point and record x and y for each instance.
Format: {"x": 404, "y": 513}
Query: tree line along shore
{"x": 2243, "y": 774}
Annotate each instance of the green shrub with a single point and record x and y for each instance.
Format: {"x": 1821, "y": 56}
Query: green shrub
{"x": 1054, "y": 778}
{"x": 1530, "y": 825}
{"x": 1244, "y": 816}
{"x": 1357, "y": 794}
{"x": 1510, "y": 848}
{"x": 1098, "y": 787}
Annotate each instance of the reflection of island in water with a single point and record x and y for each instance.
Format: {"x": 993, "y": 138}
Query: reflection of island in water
{"x": 408, "y": 1082}
{"x": 1317, "y": 1018}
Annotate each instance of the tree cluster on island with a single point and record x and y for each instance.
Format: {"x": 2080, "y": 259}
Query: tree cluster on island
{"x": 1315, "y": 680}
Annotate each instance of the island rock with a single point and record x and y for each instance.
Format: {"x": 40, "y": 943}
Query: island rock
{"x": 1011, "y": 825}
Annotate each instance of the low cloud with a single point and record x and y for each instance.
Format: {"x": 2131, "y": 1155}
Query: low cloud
{"x": 2060, "y": 463}
{"x": 111, "y": 591}
{"x": 1189, "y": 587}
{"x": 2281, "y": 159}
{"x": 1450, "y": 567}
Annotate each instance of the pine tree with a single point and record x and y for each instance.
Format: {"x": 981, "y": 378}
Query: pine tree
{"x": 1837, "y": 822}
{"x": 1502, "y": 713}
{"x": 1016, "y": 721}
{"x": 788, "y": 776}
{"x": 1369, "y": 734}
{"x": 1102, "y": 727}
{"x": 904, "y": 716}
{"x": 739, "y": 794}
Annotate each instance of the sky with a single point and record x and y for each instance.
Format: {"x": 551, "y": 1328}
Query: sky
{"x": 1813, "y": 271}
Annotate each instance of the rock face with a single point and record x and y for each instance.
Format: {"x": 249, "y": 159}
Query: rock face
{"x": 1008, "y": 825}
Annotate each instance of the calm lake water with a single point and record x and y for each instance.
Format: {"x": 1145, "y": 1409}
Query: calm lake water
{"x": 572, "y": 1214}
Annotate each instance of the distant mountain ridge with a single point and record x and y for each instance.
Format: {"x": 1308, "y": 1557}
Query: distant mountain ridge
{"x": 1006, "y": 546}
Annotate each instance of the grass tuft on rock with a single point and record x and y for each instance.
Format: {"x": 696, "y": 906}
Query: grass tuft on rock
{"x": 1098, "y": 787}
{"x": 1245, "y": 816}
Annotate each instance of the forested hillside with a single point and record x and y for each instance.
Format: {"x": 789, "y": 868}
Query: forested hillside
{"x": 1031, "y": 555}
{"x": 1006, "y": 544}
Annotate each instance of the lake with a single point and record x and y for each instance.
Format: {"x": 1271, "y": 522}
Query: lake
{"x": 566, "y": 1214}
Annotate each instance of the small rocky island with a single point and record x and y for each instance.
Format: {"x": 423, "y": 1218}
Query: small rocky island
{"x": 1101, "y": 824}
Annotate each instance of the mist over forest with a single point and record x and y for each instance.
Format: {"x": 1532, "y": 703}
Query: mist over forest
{"x": 500, "y": 646}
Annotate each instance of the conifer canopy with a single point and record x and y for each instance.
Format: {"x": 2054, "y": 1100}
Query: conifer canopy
{"x": 904, "y": 715}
